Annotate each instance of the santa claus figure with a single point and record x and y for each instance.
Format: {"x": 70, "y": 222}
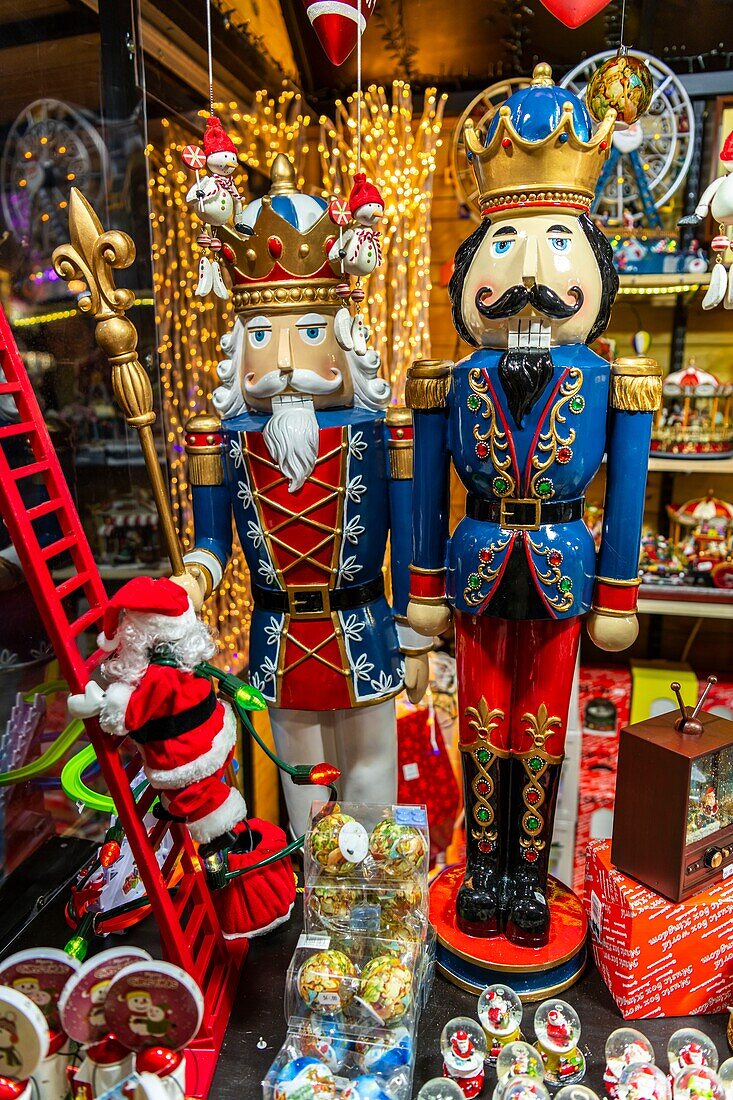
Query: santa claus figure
{"x": 358, "y": 250}
{"x": 559, "y": 1031}
{"x": 217, "y": 202}
{"x": 464, "y": 1064}
{"x": 186, "y": 737}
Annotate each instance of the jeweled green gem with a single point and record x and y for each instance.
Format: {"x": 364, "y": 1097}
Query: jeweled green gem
{"x": 544, "y": 487}
{"x": 482, "y": 813}
{"x": 532, "y": 823}
{"x": 535, "y": 763}
{"x": 500, "y": 484}
{"x": 482, "y": 755}
{"x": 565, "y": 584}
{"x": 474, "y": 581}
{"x": 577, "y": 403}
{"x": 474, "y": 402}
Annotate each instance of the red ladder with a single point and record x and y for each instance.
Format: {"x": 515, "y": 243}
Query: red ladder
{"x": 189, "y": 930}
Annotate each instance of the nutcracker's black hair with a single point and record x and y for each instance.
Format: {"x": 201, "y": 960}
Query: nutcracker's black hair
{"x": 601, "y": 250}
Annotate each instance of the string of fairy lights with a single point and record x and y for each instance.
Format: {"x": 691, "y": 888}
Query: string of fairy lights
{"x": 399, "y": 153}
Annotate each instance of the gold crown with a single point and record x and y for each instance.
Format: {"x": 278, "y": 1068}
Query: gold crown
{"x": 560, "y": 170}
{"x": 280, "y": 266}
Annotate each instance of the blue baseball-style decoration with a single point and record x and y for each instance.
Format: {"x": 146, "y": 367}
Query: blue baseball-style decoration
{"x": 526, "y": 420}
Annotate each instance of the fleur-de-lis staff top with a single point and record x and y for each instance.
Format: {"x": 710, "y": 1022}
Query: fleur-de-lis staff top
{"x": 87, "y": 263}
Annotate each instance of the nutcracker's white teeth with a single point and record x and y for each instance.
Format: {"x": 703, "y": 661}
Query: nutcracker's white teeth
{"x": 528, "y": 334}
{"x": 290, "y": 399}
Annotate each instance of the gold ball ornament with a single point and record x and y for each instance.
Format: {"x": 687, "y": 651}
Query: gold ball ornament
{"x": 386, "y": 986}
{"x": 327, "y": 981}
{"x": 623, "y": 83}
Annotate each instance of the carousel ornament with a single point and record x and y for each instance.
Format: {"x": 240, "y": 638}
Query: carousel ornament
{"x": 216, "y": 199}
{"x": 717, "y": 200}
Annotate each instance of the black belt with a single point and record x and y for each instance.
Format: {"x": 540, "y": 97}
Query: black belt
{"x": 317, "y": 601}
{"x": 527, "y": 514}
{"x": 173, "y": 725}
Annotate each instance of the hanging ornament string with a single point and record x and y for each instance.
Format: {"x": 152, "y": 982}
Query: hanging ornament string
{"x": 358, "y": 85}
{"x": 621, "y": 46}
{"x": 211, "y": 56}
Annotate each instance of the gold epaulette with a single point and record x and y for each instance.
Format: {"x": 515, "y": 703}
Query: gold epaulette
{"x": 399, "y": 444}
{"x": 636, "y": 384}
{"x": 428, "y": 383}
{"x": 203, "y": 447}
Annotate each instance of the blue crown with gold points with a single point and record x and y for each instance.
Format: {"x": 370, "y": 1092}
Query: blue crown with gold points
{"x": 540, "y": 150}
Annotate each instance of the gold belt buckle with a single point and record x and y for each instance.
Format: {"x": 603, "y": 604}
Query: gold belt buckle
{"x": 299, "y": 599}
{"x": 505, "y": 514}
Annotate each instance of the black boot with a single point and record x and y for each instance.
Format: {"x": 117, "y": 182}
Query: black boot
{"x": 485, "y": 785}
{"x": 535, "y": 777}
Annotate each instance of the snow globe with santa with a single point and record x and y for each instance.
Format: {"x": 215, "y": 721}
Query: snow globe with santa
{"x": 689, "y": 1048}
{"x": 557, "y": 1027}
{"x": 624, "y": 1047}
{"x": 463, "y": 1046}
{"x": 500, "y": 1013}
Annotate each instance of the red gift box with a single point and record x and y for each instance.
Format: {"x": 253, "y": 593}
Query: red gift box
{"x": 658, "y": 958}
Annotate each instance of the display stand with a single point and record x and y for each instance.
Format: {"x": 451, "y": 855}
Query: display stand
{"x": 188, "y": 926}
{"x": 533, "y": 973}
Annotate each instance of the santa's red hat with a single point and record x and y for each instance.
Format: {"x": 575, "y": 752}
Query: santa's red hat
{"x": 144, "y": 596}
{"x": 216, "y": 139}
{"x": 363, "y": 192}
{"x": 726, "y": 153}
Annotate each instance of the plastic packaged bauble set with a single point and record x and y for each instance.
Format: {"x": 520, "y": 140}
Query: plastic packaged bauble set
{"x": 365, "y": 867}
{"x": 362, "y": 970}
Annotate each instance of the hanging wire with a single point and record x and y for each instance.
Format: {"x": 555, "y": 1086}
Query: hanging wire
{"x": 358, "y": 85}
{"x": 623, "y": 21}
{"x": 211, "y": 56}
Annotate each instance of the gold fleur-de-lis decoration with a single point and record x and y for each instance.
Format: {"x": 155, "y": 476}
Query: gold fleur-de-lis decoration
{"x": 87, "y": 261}
{"x": 482, "y": 720}
{"x": 540, "y": 725}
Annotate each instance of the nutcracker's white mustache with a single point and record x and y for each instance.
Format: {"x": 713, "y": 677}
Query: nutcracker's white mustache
{"x": 302, "y": 381}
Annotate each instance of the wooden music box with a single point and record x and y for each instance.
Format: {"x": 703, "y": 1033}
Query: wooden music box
{"x": 673, "y": 817}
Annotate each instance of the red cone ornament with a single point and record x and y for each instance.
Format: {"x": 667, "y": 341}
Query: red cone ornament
{"x": 574, "y": 13}
{"x": 335, "y": 23}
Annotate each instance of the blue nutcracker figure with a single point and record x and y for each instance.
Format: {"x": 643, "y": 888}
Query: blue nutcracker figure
{"x": 526, "y": 419}
{"x": 316, "y": 467}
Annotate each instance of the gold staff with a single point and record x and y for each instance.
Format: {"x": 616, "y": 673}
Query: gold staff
{"x": 87, "y": 263}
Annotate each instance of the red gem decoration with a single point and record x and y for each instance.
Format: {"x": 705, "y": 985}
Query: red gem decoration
{"x": 193, "y": 157}
{"x": 603, "y": 146}
{"x": 486, "y": 555}
{"x": 482, "y": 786}
{"x": 482, "y": 450}
{"x": 506, "y": 143}
{"x": 485, "y": 846}
{"x": 530, "y": 854}
{"x": 554, "y": 557}
{"x": 532, "y": 796}
{"x": 564, "y": 455}
{"x": 275, "y": 247}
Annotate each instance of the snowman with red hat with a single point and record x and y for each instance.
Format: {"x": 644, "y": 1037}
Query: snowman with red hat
{"x": 161, "y": 698}
{"x": 358, "y": 249}
{"x": 216, "y": 198}
{"x": 717, "y": 200}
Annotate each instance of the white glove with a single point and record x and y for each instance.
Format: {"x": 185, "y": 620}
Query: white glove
{"x": 88, "y": 704}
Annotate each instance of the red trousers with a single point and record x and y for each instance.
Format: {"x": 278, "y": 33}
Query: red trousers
{"x": 516, "y": 667}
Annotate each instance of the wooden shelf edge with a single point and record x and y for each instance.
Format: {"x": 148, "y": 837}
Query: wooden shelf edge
{"x": 665, "y": 465}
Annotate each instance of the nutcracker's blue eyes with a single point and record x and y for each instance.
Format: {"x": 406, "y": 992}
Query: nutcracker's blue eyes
{"x": 260, "y": 337}
{"x": 560, "y": 244}
{"x": 312, "y": 329}
{"x": 501, "y": 247}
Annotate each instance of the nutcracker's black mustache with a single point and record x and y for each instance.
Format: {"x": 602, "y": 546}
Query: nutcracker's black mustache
{"x": 542, "y": 298}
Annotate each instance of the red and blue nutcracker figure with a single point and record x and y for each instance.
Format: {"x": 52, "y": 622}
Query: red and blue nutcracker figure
{"x": 526, "y": 419}
{"x": 317, "y": 475}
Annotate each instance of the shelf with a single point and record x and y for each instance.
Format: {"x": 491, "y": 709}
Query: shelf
{"x": 665, "y": 465}
{"x": 662, "y": 285}
{"x": 696, "y": 603}
{"x": 119, "y": 572}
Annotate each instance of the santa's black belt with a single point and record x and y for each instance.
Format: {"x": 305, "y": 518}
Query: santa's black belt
{"x": 173, "y": 725}
{"x": 527, "y": 514}
{"x": 317, "y": 601}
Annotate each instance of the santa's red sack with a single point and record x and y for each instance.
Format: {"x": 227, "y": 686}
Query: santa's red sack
{"x": 259, "y": 901}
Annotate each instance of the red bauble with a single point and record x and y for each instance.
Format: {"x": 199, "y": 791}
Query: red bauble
{"x": 336, "y": 25}
{"x": 574, "y": 13}
{"x": 158, "y": 1060}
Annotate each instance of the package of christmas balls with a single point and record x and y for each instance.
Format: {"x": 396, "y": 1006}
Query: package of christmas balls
{"x": 325, "y": 1057}
{"x": 366, "y": 870}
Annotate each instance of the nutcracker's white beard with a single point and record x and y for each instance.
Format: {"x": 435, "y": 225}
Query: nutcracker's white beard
{"x": 291, "y": 437}
{"x": 185, "y": 638}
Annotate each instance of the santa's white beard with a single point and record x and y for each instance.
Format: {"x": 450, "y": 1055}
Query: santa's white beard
{"x": 186, "y": 639}
{"x": 291, "y": 437}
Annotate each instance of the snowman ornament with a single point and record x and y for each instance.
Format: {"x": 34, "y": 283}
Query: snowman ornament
{"x": 717, "y": 200}
{"x": 216, "y": 199}
{"x": 358, "y": 250}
